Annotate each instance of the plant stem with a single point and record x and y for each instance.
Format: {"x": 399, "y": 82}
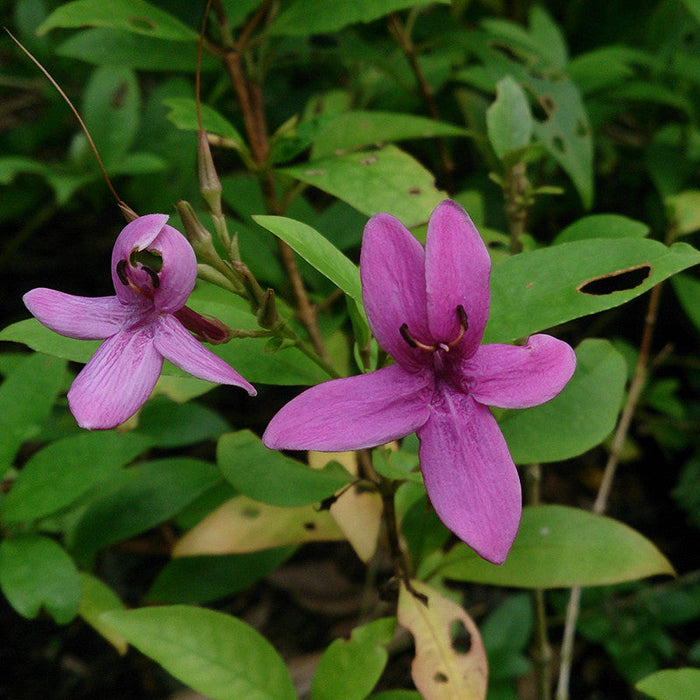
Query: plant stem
{"x": 639, "y": 379}
{"x": 250, "y": 100}
{"x": 403, "y": 38}
{"x": 515, "y": 187}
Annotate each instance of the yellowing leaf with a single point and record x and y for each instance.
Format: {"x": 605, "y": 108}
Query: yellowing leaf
{"x": 450, "y": 661}
{"x": 96, "y": 598}
{"x": 357, "y": 513}
{"x": 244, "y": 525}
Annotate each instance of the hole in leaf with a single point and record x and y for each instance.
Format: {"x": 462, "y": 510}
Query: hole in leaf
{"x": 309, "y": 526}
{"x": 414, "y": 191}
{"x": 616, "y": 281}
{"x": 118, "y": 97}
{"x": 143, "y": 24}
{"x": 250, "y": 512}
{"x": 582, "y": 129}
{"x": 440, "y": 677}
{"x": 559, "y": 144}
{"x": 460, "y": 638}
{"x": 548, "y": 104}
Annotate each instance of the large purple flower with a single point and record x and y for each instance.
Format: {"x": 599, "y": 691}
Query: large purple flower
{"x": 154, "y": 270}
{"x": 428, "y": 308}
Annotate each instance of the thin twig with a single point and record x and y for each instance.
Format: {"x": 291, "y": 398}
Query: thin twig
{"x": 403, "y": 38}
{"x": 637, "y": 384}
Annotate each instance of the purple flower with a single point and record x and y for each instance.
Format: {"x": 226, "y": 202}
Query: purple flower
{"x": 153, "y": 270}
{"x": 428, "y": 308}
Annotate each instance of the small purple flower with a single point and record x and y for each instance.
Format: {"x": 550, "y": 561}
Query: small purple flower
{"x": 154, "y": 270}
{"x": 428, "y": 308}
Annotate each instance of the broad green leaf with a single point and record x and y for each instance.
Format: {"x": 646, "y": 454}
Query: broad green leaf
{"x": 383, "y": 180}
{"x": 684, "y": 211}
{"x": 687, "y": 289}
{"x": 213, "y": 653}
{"x": 146, "y": 495}
{"x": 169, "y": 424}
{"x": 242, "y": 525}
{"x": 64, "y": 184}
{"x": 353, "y": 129}
{"x": 349, "y": 669}
{"x": 112, "y": 98}
{"x": 58, "y": 475}
{"x": 35, "y": 573}
{"x": 31, "y": 333}
{"x": 506, "y": 633}
{"x": 558, "y": 547}
{"x": 397, "y": 695}
{"x": 26, "y": 398}
{"x": 183, "y": 113}
{"x": 272, "y": 478}
{"x": 129, "y": 15}
{"x": 602, "y": 226}
{"x": 672, "y": 684}
{"x": 96, "y": 598}
{"x": 201, "y": 579}
{"x": 304, "y": 17}
{"x": 540, "y": 289}
{"x": 508, "y": 119}
{"x": 450, "y": 660}
{"x": 321, "y": 254}
{"x": 580, "y": 418}
{"x": 102, "y": 46}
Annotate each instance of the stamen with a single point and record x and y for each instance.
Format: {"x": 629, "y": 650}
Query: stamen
{"x": 153, "y": 275}
{"x": 463, "y": 326}
{"x": 406, "y": 335}
{"x": 121, "y": 272}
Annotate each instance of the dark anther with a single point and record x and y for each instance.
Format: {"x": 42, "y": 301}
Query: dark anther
{"x": 121, "y": 272}
{"x": 462, "y": 316}
{"x": 153, "y": 275}
{"x": 406, "y": 335}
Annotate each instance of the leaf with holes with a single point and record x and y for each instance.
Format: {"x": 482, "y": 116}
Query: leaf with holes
{"x": 243, "y": 525}
{"x": 509, "y": 120}
{"x": 450, "y": 660}
{"x": 386, "y": 179}
{"x": 129, "y": 15}
{"x": 534, "y": 291}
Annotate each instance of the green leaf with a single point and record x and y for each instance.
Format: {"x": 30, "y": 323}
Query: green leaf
{"x": 508, "y": 119}
{"x": 304, "y": 17}
{"x": 559, "y": 547}
{"x": 169, "y": 424}
{"x": 66, "y": 470}
{"x": 687, "y": 290}
{"x": 183, "y": 113}
{"x": 201, "y": 579}
{"x": 129, "y": 15}
{"x": 270, "y": 477}
{"x": 146, "y": 495}
{"x": 136, "y": 51}
{"x": 215, "y": 654}
{"x": 351, "y": 130}
{"x": 96, "y": 598}
{"x": 540, "y": 289}
{"x": 36, "y": 572}
{"x": 112, "y": 98}
{"x": 386, "y": 179}
{"x": 602, "y": 226}
{"x": 672, "y": 684}
{"x": 350, "y": 669}
{"x": 41, "y": 339}
{"x": 26, "y": 398}
{"x": 684, "y": 211}
{"x": 580, "y": 418}
{"x": 397, "y": 695}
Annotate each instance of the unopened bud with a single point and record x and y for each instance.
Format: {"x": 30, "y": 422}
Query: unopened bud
{"x": 209, "y": 183}
{"x": 198, "y": 236}
{"x": 268, "y": 316}
{"x": 205, "y": 328}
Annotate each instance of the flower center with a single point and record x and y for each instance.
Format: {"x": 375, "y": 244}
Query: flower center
{"x": 145, "y": 260}
{"x": 442, "y": 345}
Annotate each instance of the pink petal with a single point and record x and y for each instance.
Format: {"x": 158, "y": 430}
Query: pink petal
{"x": 457, "y": 269}
{"x": 520, "y": 376}
{"x": 469, "y": 475}
{"x": 117, "y": 381}
{"x": 178, "y": 346}
{"x": 86, "y": 318}
{"x": 179, "y": 272}
{"x": 136, "y": 235}
{"x": 353, "y": 413}
{"x": 392, "y": 267}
